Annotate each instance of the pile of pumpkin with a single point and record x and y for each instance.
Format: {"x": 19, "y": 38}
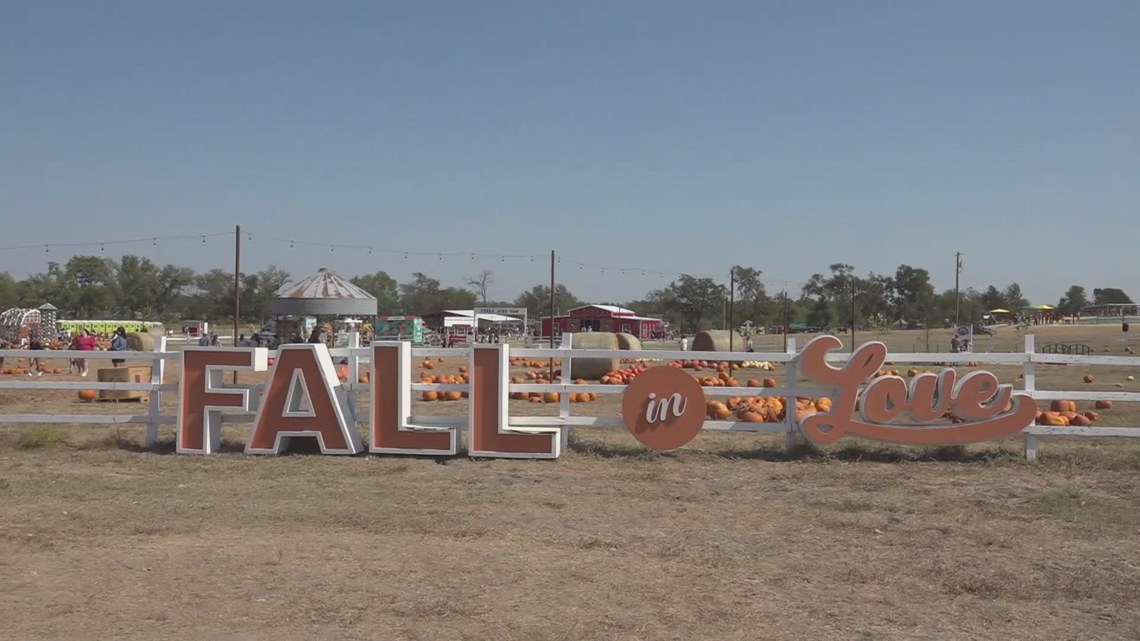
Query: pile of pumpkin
{"x": 1065, "y": 414}
{"x": 20, "y": 369}
{"x": 537, "y": 378}
{"x": 443, "y": 379}
{"x": 518, "y": 361}
{"x": 758, "y": 409}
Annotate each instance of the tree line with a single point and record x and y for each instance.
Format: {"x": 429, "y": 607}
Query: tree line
{"x": 134, "y": 287}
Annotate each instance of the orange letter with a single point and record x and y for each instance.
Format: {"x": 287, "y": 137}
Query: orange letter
{"x": 392, "y": 406}
{"x": 202, "y": 396}
{"x": 300, "y": 400}
{"x": 490, "y": 435}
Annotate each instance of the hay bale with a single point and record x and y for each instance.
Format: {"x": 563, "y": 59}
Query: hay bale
{"x": 628, "y": 341}
{"x": 716, "y": 340}
{"x": 592, "y": 368}
{"x": 141, "y": 342}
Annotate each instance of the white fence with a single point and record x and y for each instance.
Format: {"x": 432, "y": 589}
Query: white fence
{"x": 356, "y": 356}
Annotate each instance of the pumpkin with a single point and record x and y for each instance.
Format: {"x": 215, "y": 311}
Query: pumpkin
{"x": 1092, "y": 416}
{"x": 1080, "y": 420}
{"x": 452, "y": 396}
{"x": 750, "y": 416}
{"x": 1103, "y": 405}
{"x": 87, "y": 394}
{"x": 428, "y": 365}
{"x": 430, "y": 396}
{"x": 769, "y": 382}
{"x": 1053, "y": 419}
{"x": 535, "y": 399}
{"x": 363, "y": 378}
{"x": 1062, "y": 406}
{"x": 551, "y": 397}
{"x": 823, "y": 404}
{"x": 1088, "y": 378}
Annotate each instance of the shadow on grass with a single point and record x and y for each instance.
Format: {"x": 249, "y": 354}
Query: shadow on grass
{"x": 852, "y": 453}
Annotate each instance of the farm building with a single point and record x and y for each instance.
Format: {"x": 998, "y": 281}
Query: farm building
{"x": 463, "y": 318}
{"x": 602, "y": 318}
{"x": 458, "y": 325}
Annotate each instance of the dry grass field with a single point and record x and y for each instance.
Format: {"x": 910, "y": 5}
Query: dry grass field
{"x": 730, "y": 538}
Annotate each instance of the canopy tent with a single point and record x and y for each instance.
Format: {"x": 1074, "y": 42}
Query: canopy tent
{"x": 1000, "y": 311}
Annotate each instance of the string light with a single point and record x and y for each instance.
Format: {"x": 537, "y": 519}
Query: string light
{"x": 407, "y": 254}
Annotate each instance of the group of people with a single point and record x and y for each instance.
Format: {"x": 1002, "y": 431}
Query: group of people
{"x": 84, "y": 341}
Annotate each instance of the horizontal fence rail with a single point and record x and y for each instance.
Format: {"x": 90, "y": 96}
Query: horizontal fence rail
{"x": 357, "y": 357}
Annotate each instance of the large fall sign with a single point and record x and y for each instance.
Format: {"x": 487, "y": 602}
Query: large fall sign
{"x": 663, "y": 407}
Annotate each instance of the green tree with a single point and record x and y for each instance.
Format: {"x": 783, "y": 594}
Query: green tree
{"x": 1110, "y": 296}
{"x": 698, "y": 302}
{"x": 9, "y": 291}
{"x": 1073, "y": 301}
{"x": 536, "y": 300}
{"x": 384, "y": 288}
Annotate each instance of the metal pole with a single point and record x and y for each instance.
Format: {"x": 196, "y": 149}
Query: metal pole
{"x": 731, "y": 303}
{"x": 957, "y": 292}
{"x": 852, "y": 314}
{"x": 237, "y": 287}
{"x": 551, "y": 365}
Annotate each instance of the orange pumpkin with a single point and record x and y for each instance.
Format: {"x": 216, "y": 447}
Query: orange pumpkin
{"x": 430, "y": 396}
{"x": 1062, "y": 406}
{"x": 1104, "y": 405}
{"x": 88, "y": 394}
{"x": 1080, "y": 420}
{"x": 1088, "y": 378}
{"x": 769, "y": 382}
{"x": 551, "y": 397}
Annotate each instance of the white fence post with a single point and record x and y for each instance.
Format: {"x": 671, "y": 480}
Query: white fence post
{"x": 353, "y": 375}
{"x": 157, "y": 378}
{"x": 1029, "y": 373}
{"x": 792, "y": 438}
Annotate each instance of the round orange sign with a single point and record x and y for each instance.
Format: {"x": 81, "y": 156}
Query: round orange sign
{"x": 664, "y": 408}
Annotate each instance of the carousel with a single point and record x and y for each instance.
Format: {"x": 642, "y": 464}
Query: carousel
{"x": 324, "y": 307}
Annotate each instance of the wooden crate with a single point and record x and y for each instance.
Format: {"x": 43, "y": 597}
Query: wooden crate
{"x": 123, "y": 375}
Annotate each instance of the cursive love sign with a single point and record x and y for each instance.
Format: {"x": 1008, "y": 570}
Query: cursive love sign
{"x": 890, "y": 409}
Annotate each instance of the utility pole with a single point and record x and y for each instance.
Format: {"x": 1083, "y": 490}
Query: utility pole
{"x": 237, "y": 287}
{"x": 553, "y": 260}
{"x": 852, "y": 314}
{"x": 957, "y": 291}
{"x": 731, "y": 302}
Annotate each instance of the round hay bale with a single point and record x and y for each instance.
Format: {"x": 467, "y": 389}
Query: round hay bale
{"x": 716, "y": 340}
{"x": 141, "y": 342}
{"x": 591, "y": 368}
{"x": 628, "y": 341}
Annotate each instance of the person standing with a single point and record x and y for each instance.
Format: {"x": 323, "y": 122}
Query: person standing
{"x": 119, "y": 344}
{"x": 84, "y": 342}
{"x": 35, "y": 364}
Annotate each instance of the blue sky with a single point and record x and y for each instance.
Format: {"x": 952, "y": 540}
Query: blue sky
{"x": 658, "y": 135}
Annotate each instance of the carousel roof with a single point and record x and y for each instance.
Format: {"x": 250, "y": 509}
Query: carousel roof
{"x": 324, "y": 294}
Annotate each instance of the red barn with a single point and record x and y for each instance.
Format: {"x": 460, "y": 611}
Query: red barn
{"x": 601, "y": 318}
